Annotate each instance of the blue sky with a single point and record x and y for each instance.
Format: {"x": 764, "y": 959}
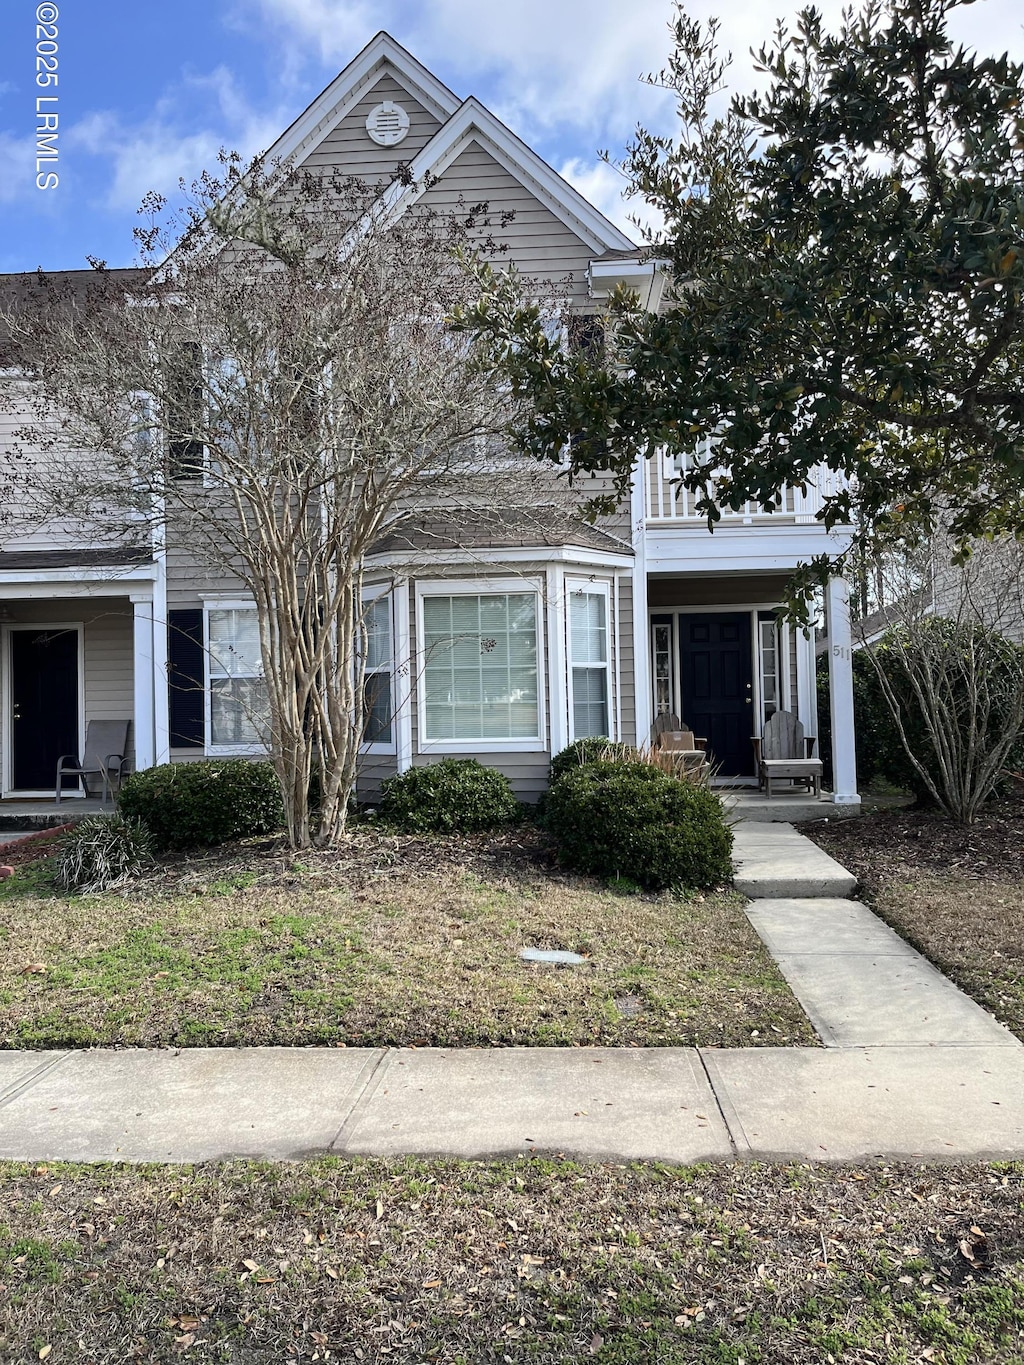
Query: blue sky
{"x": 149, "y": 93}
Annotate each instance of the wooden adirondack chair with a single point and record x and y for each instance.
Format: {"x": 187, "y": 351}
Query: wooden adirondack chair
{"x": 783, "y": 753}
{"x": 677, "y": 749}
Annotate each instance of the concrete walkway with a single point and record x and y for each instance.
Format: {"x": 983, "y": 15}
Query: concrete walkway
{"x": 911, "y": 1068}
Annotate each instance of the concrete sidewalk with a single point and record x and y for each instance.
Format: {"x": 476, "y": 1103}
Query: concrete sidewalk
{"x": 668, "y": 1104}
{"x": 911, "y": 1068}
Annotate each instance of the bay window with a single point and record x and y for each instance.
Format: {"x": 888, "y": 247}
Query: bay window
{"x": 481, "y": 669}
{"x": 589, "y": 661}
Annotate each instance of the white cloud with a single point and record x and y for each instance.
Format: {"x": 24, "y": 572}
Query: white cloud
{"x": 602, "y": 185}
{"x": 551, "y": 67}
{"x": 156, "y": 153}
{"x": 17, "y": 168}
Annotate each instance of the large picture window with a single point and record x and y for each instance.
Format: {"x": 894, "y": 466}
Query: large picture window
{"x": 590, "y": 662}
{"x": 480, "y": 677}
{"x": 238, "y": 712}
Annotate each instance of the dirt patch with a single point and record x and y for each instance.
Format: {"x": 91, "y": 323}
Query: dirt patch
{"x": 412, "y": 1261}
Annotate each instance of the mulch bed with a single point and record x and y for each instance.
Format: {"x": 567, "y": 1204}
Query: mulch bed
{"x": 31, "y": 847}
{"x": 903, "y": 844}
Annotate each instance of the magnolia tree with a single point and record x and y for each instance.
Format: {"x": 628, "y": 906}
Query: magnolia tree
{"x": 845, "y": 252}
{"x": 278, "y": 389}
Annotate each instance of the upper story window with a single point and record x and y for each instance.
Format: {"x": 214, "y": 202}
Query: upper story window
{"x": 186, "y": 396}
{"x": 481, "y": 669}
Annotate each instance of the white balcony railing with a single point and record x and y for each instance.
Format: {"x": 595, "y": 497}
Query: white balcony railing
{"x": 667, "y": 500}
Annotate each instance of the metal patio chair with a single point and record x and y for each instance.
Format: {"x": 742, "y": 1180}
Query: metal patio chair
{"x": 105, "y": 744}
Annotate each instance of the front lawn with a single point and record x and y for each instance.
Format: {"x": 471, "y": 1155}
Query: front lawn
{"x": 392, "y": 940}
{"x": 468, "y": 1263}
{"x": 955, "y": 893}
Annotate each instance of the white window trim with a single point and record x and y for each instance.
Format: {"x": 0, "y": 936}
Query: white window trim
{"x": 598, "y": 588}
{"x": 483, "y": 587}
{"x": 210, "y": 749}
{"x": 373, "y": 593}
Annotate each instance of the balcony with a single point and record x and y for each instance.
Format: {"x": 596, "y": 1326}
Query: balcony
{"x": 667, "y": 501}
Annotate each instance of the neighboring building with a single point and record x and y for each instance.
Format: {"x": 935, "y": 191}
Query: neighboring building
{"x": 591, "y": 630}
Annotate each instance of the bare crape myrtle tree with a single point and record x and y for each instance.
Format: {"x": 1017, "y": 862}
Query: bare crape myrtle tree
{"x": 953, "y": 654}
{"x": 276, "y": 393}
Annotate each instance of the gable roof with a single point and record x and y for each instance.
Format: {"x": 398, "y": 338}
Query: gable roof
{"x": 334, "y": 102}
{"x": 472, "y": 122}
{"x": 462, "y": 122}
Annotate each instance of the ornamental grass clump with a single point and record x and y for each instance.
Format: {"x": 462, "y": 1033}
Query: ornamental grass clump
{"x": 102, "y": 853}
{"x": 632, "y": 821}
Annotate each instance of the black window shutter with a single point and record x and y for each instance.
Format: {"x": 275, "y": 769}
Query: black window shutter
{"x": 185, "y": 679}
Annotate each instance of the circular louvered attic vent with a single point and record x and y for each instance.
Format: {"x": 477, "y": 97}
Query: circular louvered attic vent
{"x": 388, "y": 123}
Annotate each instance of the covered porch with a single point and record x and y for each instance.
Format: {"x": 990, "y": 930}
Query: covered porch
{"x": 77, "y": 646}
{"x": 720, "y": 659}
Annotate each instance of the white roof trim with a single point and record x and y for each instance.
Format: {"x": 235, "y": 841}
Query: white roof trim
{"x": 427, "y": 559}
{"x": 334, "y": 102}
{"x": 472, "y": 123}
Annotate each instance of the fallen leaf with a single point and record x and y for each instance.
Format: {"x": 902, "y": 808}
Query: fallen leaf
{"x": 250, "y": 1265}
{"x": 380, "y": 1210}
{"x": 431, "y": 1284}
{"x": 45, "y": 1352}
{"x": 330, "y": 1270}
{"x": 596, "y": 1342}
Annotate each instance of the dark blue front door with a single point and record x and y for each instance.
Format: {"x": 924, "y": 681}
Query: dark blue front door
{"x": 717, "y": 687}
{"x": 44, "y": 706}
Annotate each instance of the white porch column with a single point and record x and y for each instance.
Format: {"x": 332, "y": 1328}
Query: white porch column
{"x": 161, "y": 703}
{"x": 641, "y": 622}
{"x": 403, "y": 656}
{"x": 142, "y": 661}
{"x": 840, "y": 676}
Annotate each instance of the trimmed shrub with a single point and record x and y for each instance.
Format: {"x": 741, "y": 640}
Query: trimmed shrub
{"x": 102, "y": 853}
{"x": 193, "y": 805}
{"x": 875, "y": 732}
{"x": 593, "y": 750}
{"x": 632, "y": 820}
{"x": 455, "y": 794}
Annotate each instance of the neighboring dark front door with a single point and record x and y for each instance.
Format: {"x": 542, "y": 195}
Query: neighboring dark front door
{"x": 717, "y": 686}
{"x": 44, "y": 706}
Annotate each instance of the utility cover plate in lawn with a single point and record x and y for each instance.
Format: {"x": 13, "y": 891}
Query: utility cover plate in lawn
{"x": 556, "y": 955}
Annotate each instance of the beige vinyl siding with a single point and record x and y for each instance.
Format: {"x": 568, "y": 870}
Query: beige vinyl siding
{"x": 108, "y": 647}
{"x": 350, "y": 150}
{"x": 626, "y": 671}
{"x": 539, "y": 244}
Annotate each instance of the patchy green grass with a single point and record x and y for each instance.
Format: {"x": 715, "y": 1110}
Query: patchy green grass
{"x": 471, "y": 1263}
{"x": 393, "y": 941}
{"x": 972, "y": 930}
